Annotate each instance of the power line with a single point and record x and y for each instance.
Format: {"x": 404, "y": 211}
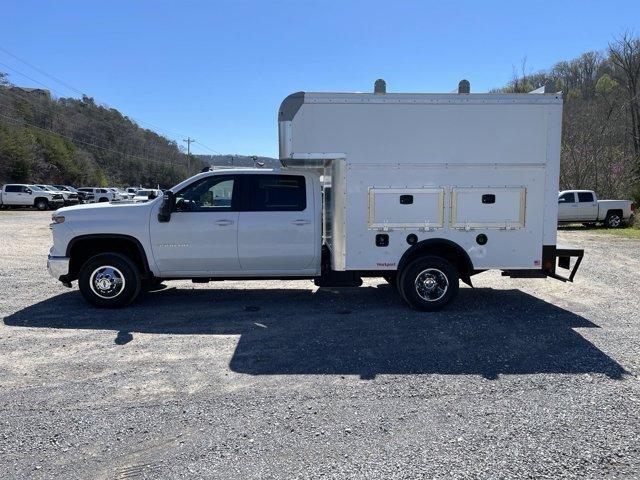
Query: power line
{"x": 56, "y": 79}
{"x": 74, "y": 140}
{"x": 41, "y": 71}
{"x": 176, "y": 134}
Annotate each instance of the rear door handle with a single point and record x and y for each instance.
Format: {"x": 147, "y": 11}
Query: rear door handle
{"x": 301, "y": 222}
{"x": 224, "y": 223}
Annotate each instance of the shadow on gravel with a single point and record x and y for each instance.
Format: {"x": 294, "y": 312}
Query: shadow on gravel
{"x": 365, "y": 331}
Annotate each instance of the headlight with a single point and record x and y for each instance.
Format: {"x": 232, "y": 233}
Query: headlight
{"x": 57, "y": 218}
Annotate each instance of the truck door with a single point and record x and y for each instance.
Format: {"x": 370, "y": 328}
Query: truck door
{"x": 202, "y": 236}
{"x": 567, "y": 207}
{"x": 12, "y": 194}
{"x": 276, "y": 230}
{"x": 587, "y": 207}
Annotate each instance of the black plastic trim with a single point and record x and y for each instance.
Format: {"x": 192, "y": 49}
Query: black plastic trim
{"x": 102, "y": 236}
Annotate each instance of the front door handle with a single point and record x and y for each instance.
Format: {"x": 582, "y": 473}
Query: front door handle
{"x": 224, "y": 223}
{"x": 301, "y": 222}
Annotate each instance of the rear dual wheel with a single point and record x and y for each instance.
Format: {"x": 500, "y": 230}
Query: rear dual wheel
{"x": 428, "y": 283}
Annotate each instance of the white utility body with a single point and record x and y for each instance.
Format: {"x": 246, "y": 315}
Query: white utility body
{"x": 421, "y": 189}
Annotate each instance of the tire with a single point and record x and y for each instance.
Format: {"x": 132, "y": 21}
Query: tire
{"x": 109, "y": 280}
{"x": 42, "y": 204}
{"x": 103, "y": 199}
{"x": 613, "y": 220}
{"x": 429, "y": 283}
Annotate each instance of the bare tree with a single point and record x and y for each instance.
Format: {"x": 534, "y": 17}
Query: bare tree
{"x": 625, "y": 57}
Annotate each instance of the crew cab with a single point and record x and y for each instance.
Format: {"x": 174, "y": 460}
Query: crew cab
{"x": 24, "y": 195}
{"x": 227, "y": 224}
{"x": 583, "y": 206}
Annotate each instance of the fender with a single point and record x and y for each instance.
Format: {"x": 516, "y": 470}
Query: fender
{"x": 438, "y": 246}
{"x": 112, "y": 236}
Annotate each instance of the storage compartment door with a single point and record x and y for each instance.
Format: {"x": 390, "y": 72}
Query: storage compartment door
{"x": 488, "y": 207}
{"x": 406, "y": 207}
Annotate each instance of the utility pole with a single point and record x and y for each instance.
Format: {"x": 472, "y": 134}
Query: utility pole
{"x": 189, "y": 141}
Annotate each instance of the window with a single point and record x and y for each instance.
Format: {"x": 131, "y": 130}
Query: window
{"x": 568, "y": 197}
{"x": 585, "y": 197}
{"x": 104, "y": 190}
{"x": 12, "y": 188}
{"x": 211, "y": 194}
{"x": 275, "y": 193}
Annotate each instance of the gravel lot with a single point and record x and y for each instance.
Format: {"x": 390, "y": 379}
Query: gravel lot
{"x": 517, "y": 379}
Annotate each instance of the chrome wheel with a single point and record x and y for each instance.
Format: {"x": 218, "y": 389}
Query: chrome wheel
{"x": 107, "y": 282}
{"x": 431, "y": 284}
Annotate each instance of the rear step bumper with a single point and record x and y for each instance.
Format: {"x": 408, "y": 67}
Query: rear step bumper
{"x": 552, "y": 257}
{"x": 564, "y": 256}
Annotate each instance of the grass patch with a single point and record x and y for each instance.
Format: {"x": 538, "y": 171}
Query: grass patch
{"x": 626, "y": 232}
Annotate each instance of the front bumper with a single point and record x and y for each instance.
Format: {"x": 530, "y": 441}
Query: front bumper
{"x": 58, "y": 266}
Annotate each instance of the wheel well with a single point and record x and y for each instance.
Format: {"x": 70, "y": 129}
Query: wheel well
{"x": 615, "y": 210}
{"x": 450, "y": 251}
{"x": 83, "y": 248}
{"x": 35, "y": 200}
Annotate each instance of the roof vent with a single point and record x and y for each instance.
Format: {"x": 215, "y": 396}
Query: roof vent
{"x": 464, "y": 86}
{"x": 380, "y": 86}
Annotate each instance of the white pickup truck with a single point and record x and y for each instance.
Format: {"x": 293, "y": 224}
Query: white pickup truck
{"x": 583, "y": 206}
{"x": 23, "y": 195}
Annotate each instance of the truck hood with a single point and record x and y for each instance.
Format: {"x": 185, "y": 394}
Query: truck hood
{"x": 106, "y": 217}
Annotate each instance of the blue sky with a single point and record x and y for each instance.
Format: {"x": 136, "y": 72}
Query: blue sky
{"x": 217, "y": 71}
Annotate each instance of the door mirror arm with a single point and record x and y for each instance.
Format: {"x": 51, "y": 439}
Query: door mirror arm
{"x": 168, "y": 199}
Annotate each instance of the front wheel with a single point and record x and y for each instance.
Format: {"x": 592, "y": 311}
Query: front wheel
{"x": 109, "y": 280}
{"x": 429, "y": 283}
{"x": 42, "y": 204}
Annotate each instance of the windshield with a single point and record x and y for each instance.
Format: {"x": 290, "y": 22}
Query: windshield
{"x": 144, "y": 193}
{"x": 36, "y": 188}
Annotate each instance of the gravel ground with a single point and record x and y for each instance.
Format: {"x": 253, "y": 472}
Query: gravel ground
{"x": 517, "y": 379}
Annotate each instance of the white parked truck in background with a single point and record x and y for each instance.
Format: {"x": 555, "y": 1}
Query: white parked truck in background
{"x": 423, "y": 190}
{"x": 583, "y": 206}
{"x": 100, "y": 195}
{"x": 24, "y": 195}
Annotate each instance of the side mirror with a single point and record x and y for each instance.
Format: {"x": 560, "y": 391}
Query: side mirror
{"x": 28, "y": 190}
{"x": 164, "y": 214}
{"x": 152, "y": 195}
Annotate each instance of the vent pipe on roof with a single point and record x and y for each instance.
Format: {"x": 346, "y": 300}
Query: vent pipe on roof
{"x": 464, "y": 86}
{"x": 380, "y": 86}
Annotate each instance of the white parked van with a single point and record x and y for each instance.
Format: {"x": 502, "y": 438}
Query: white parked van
{"x": 421, "y": 189}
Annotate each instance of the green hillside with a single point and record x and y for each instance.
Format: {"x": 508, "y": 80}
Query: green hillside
{"x": 78, "y": 142}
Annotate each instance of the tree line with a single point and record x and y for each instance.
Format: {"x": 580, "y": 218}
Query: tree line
{"x": 601, "y": 117}
{"x": 78, "y": 142}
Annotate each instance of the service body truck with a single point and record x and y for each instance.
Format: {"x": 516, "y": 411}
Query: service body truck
{"x": 423, "y": 190}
